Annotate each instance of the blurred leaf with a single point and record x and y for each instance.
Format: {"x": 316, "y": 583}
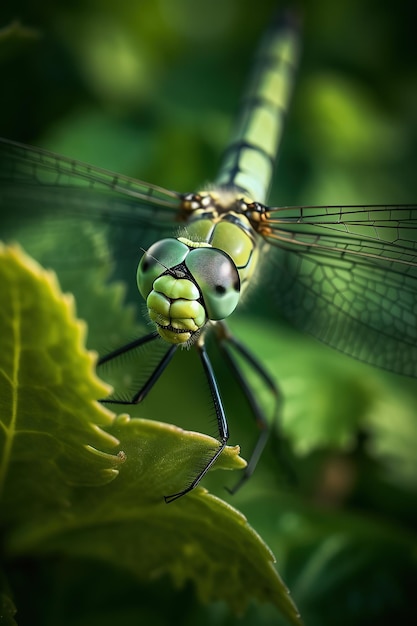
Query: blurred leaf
{"x": 14, "y": 37}
{"x": 97, "y": 137}
{"x": 339, "y": 111}
{"x": 67, "y": 245}
{"x": 392, "y": 423}
{"x": 324, "y": 395}
{"x": 344, "y": 568}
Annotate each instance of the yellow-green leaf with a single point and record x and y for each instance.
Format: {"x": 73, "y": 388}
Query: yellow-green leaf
{"x": 58, "y": 462}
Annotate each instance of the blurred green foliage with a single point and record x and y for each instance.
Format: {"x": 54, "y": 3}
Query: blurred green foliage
{"x": 150, "y": 88}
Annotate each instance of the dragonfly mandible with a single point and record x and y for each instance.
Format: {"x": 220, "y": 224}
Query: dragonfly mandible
{"x": 345, "y": 274}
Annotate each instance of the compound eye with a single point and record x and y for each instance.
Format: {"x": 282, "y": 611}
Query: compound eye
{"x": 162, "y": 255}
{"x": 218, "y": 280}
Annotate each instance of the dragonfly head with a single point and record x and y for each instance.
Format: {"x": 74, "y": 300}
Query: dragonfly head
{"x": 186, "y": 284}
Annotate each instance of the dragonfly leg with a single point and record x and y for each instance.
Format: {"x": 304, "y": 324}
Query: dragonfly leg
{"x": 226, "y": 342}
{"x": 221, "y": 422}
{"x": 150, "y": 382}
{"x": 132, "y": 345}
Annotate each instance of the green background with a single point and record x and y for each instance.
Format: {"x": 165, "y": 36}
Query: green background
{"x": 150, "y": 89}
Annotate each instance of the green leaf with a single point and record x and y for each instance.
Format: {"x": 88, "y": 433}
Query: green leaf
{"x": 199, "y": 537}
{"x": 51, "y": 427}
{"x": 66, "y": 491}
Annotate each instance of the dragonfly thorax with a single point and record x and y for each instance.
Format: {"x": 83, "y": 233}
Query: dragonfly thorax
{"x": 185, "y": 285}
{"x": 216, "y": 202}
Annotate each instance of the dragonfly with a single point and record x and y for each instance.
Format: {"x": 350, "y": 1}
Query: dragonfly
{"x": 345, "y": 274}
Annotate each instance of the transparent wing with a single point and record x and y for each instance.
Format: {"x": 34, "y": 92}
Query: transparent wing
{"x": 40, "y": 187}
{"x": 73, "y": 216}
{"x": 348, "y": 275}
{"x": 24, "y": 169}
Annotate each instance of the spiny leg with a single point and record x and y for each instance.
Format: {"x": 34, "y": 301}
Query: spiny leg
{"x": 150, "y": 382}
{"x": 221, "y": 422}
{"x": 132, "y": 345}
{"x": 225, "y": 340}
